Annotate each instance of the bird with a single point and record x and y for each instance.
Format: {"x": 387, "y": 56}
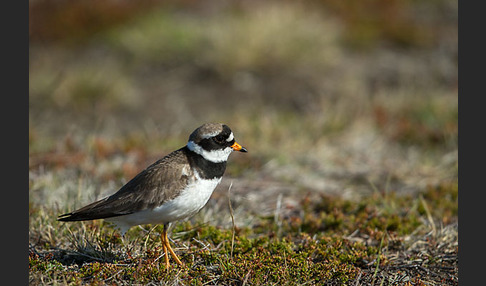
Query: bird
{"x": 173, "y": 188}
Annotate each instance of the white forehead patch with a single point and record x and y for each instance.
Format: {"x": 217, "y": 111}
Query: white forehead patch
{"x": 230, "y": 137}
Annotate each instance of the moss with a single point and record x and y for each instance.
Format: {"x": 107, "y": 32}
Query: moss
{"x": 313, "y": 254}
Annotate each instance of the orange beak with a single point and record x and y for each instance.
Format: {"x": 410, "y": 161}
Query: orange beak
{"x": 238, "y": 147}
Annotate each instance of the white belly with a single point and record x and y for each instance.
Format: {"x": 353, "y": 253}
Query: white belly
{"x": 192, "y": 199}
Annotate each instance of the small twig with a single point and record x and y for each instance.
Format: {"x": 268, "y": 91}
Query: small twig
{"x": 375, "y": 189}
{"x": 358, "y": 278}
{"x": 276, "y": 216}
{"x": 349, "y": 237}
{"x": 113, "y": 276}
{"x": 429, "y": 215}
{"x": 382, "y": 280}
{"x": 156, "y": 259}
{"x": 146, "y": 240}
{"x": 378, "y": 259}
{"x": 202, "y": 243}
{"x": 246, "y": 278}
{"x": 232, "y": 221}
{"x": 211, "y": 281}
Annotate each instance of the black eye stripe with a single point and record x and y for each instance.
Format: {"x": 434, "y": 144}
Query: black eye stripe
{"x": 206, "y": 144}
{"x": 212, "y": 143}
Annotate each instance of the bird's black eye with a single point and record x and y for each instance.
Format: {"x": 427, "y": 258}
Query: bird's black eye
{"x": 219, "y": 138}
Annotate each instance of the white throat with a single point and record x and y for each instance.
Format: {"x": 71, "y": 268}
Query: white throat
{"x": 215, "y": 156}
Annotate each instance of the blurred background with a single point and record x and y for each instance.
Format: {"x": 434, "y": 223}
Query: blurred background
{"x": 338, "y": 97}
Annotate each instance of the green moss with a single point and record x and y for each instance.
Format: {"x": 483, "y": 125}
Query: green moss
{"x": 315, "y": 256}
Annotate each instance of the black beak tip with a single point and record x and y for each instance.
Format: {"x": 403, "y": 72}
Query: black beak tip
{"x": 243, "y": 149}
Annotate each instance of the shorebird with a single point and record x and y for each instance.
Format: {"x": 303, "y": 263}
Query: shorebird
{"x": 173, "y": 188}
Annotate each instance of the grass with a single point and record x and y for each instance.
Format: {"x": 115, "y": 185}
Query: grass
{"x": 334, "y": 242}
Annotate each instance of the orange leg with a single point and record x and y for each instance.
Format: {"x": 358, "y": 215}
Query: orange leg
{"x": 166, "y": 254}
{"x": 167, "y": 248}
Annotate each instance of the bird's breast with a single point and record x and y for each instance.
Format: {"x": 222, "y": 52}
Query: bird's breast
{"x": 191, "y": 199}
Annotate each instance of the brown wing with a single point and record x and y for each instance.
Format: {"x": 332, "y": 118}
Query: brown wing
{"x": 160, "y": 182}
